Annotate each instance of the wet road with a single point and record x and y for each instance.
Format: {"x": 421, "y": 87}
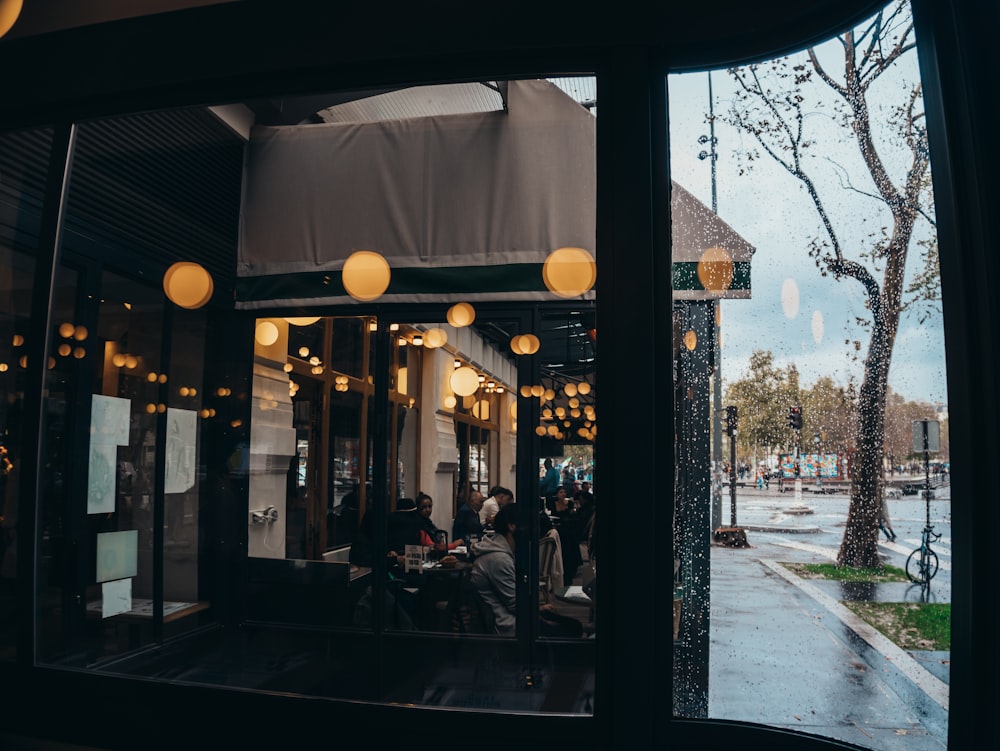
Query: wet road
{"x": 785, "y": 652}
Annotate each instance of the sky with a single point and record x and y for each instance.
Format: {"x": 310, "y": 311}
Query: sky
{"x": 769, "y": 208}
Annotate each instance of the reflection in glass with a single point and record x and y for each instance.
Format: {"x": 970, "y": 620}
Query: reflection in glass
{"x": 23, "y": 158}
{"x": 314, "y": 434}
{"x": 825, "y": 360}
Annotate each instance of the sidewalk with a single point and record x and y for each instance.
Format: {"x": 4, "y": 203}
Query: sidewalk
{"x": 785, "y": 651}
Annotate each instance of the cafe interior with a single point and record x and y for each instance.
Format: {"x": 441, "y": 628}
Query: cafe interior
{"x": 267, "y": 279}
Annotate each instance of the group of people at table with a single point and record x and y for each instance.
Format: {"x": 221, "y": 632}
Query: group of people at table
{"x": 485, "y": 530}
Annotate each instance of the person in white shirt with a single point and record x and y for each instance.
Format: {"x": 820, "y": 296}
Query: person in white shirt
{"x": 499, "y": 497}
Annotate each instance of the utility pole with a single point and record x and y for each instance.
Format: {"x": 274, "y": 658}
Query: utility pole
{"x": 712, "y": 155}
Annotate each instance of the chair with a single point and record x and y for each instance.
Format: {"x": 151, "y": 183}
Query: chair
{"x": 475, "y": 616}
{"x": 546, "y": 552}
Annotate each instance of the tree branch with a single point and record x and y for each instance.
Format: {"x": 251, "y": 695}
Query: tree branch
{"x": 824, "y": 75}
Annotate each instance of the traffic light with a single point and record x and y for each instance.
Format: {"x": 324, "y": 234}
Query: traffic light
{"x": 795, "y": 418}
{"x": 731, "y": 420}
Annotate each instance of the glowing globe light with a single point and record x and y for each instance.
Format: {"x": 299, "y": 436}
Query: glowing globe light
{"x": 308, "y": 321}
{"x": 464, "y": 381}
{"x": 461, "y": 314}
{"x": 188, "y": 285}
{"x": 569, "y": 272}
{"x": 266, "y": 333}
{"x": 9, "y": 12}
{"x": 435, "y": 338}
{"x": 715, "y": 270}
{"x": 530, "y": 344}
{"x": 366, "y": 275}
{"x": 66, "y": 330}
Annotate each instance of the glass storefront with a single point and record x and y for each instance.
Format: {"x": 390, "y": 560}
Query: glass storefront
{"x": 359, "y": 462}
{"x": 335, "y": 434}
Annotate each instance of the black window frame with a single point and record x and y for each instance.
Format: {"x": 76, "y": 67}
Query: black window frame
{"x": 60, "y": 81}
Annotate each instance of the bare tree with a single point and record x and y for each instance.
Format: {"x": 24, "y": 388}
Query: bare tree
{"x": 771, "y": 106}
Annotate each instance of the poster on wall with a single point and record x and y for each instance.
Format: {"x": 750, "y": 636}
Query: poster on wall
{"x": 182, "y": 433}
{"x": 109, "y": 424}
{"x": 810, "y": 465}
{"x": 117, "y": 555}
{"x": 116, "y": 597}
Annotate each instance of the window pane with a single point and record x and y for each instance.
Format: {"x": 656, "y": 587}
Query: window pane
{"x": 256, "y": 462}
{"x": 23, "y": 162}
{"x": 808, "y": 344}
{"x": 138, "y": 438}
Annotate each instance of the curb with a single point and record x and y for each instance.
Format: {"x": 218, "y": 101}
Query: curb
{"x": 931, "y": 685}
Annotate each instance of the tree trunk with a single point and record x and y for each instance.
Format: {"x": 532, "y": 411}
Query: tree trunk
{"x": 859, "y": 548}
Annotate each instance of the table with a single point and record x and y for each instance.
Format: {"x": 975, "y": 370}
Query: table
{"x": 440, "y": 590}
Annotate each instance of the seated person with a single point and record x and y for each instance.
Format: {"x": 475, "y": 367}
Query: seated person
{"x": 403, "y": 527}
{"x": 570, "y": 532}
{"x": 430, "y": 535}
{"x": 467, "y": 524}
{"x": 499, "y": 497}
{"x": 493, "y": 573}
{"x": 494, "y": 579}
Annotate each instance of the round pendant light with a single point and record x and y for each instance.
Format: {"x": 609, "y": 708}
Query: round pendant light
{"x": 569, "y": 272}
{"x": 435, "y": 338}
{"x": 307, "y": 321}
{"x": 366, "y": 275}
{"x": 9, "y": 12}
{"x": 715, "y": 270}
{"x": 461, "y": 314}
{"x": 266, "y": 333}
{"x": 188, "y": 285}
{"x": 464, "y": 381}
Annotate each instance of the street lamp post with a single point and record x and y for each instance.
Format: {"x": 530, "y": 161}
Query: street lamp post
{"x": 710, "y": 140}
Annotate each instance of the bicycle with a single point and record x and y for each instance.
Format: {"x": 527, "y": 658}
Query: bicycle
{"x": 922, "y": 564}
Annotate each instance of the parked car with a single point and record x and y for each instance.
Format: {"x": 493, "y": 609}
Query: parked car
{"x": 912, "y": 488}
